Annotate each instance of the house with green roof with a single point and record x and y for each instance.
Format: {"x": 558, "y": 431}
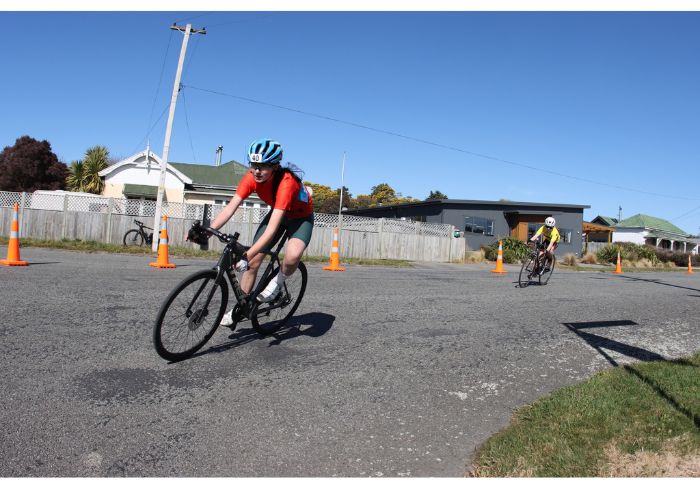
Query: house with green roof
{"x": 138, "y": 177}
{"x": 653, "y": 231}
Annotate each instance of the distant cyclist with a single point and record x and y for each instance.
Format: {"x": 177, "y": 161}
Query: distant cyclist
{"x": 291, "y": 210}
{"x": 551, "y": 237}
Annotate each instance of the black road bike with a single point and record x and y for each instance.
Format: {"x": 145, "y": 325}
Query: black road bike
{"x": 534, "y": 268}
{"x": 191, "y": 313}
{"x": 136, "y": 237}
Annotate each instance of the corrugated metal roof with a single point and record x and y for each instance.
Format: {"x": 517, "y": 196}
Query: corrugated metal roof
{"x": 226, "y": 175}
{"x": 652, "y": 223}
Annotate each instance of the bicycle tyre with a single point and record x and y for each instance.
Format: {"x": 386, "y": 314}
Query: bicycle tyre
{"x": 544, "y": 278}
{"x": 173, "y": 320}
{"x": 133, "y": 238}
{"x": 268, "y": 318}
{"x": 525, "y": 271}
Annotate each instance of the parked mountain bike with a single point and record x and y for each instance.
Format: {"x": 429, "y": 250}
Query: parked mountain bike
{"x": 136, "y": 237}
{"x": 191, "y": 313}
{"x": 535, "y": 266}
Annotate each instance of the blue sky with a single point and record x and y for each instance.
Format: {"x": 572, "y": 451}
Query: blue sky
{"x": 594, "y": 108}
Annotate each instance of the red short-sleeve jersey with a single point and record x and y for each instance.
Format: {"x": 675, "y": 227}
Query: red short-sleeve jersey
{"x": 292, "y": 196}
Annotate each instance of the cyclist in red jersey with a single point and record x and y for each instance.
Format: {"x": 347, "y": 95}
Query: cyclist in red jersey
{"x": 292, "y": 210}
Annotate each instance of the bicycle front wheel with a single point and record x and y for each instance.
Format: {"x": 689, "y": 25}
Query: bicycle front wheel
{"x": 526, "y": 272}
{"x": 544, "y": 278}
{"x": 133, "y": 238}
{"x": 189, "y": 315}
{"x": 267, "y": 318}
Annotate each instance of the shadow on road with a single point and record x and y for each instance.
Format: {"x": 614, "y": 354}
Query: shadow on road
{"x": 313, "y": 324}
{"x": 659, "y": 282}
{"x": 601, "y": 344}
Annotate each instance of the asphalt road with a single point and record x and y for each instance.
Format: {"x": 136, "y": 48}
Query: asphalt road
{"x": 388, "y": 372}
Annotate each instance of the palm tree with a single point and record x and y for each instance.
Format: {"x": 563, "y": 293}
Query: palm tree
{"x": 76, "y": 175}
{"x": 96, "y": 159}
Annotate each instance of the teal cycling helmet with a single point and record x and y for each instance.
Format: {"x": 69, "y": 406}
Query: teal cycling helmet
{"x": 265, "y": 151}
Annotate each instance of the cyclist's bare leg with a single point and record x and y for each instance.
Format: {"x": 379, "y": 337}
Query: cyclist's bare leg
{"x": 292, "y": 255}
{"x": 248, "y": 278}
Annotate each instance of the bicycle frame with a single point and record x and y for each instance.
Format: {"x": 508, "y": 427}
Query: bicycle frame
{"x": 224, "y": 266}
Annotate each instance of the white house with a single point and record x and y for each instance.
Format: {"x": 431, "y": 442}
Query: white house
{"x": 138, "y": 176}
{"x": 653, "y": 231}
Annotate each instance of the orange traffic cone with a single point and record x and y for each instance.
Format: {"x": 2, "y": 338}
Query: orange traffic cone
{"x": 162, "y": 261}
{"x": 335, "y": 258}
{"x": 618, "y": 268}
{"x": 499, "y": 260}
{"x": 690, "y": 265}
{"x": 13, "y": 246}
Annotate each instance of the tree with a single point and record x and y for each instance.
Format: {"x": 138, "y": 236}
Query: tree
{"x": 383, "y": 193}
{"x": 325, "y": 200}
{"x": 31, "y": 165}
{"x": 76, "y": 175}
{"x": 436, "y": 195}
{"x": 84, "y": 174}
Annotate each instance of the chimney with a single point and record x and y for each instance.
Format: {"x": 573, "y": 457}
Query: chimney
{"x": 219, "y": 150}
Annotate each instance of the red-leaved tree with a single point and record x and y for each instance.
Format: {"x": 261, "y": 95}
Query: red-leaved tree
{"x": 31, "y": 165}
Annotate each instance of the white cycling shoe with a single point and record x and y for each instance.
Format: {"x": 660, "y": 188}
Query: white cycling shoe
{"x": 270, "y": 292}
{"x": 227, "y": 319}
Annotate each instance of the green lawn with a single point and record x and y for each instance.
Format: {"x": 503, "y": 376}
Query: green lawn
{"x": 637, "y": 420}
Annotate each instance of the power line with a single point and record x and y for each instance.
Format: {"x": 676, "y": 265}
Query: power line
{"x": 443, "y": 146}
{"x": 187, "y": 123}
{"x": 140, "y": 144}
{"x": 155, "y": 96}
{"x": 193, "y": 17}
{"x": 240, "y": 21}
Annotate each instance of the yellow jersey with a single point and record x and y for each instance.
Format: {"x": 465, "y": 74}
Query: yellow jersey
{"x": 552, "y": 235}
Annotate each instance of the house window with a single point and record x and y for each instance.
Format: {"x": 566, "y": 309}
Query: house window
{"x": 565, "y": 236}
{"x": 478, "y": 225}
{"x": 220, "y": 202}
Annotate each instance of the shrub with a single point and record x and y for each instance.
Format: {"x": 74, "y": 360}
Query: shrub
{"x": 589, "y": 258}
{"x": 628, "y": 251}
{"x": 569, "y": 259}
{"x": 514, "y": 250}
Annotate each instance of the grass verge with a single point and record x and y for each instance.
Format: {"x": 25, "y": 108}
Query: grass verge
{"x": 632, "y": 421}
{"x": 180, "y": 251}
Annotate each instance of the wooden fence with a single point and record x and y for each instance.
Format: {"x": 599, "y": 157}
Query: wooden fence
{"x": 412, "y": 242}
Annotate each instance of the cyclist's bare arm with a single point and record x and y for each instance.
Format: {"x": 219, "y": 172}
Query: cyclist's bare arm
{"x": 227, "y": 212}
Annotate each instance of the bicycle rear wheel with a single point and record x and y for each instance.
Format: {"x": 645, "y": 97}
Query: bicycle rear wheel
{"x": 133, "y": 238}
{"x": 544, "y": 278}
{"x": 189, "y": 315}
{"x": 526, "y": 272}
{"x": 267, "y": 318}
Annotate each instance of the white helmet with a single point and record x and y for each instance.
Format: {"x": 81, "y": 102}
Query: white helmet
{"x": 549, "y": 222}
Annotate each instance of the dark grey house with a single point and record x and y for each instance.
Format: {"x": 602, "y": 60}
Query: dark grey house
{"x": 483, "y": 222}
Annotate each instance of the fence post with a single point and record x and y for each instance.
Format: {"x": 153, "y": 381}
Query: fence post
{"x": 22, "y": 204}
{"x": 381, "y": 236}
{"x": 110, "y": 211}
{"x": 416, "y": 236}
{"x": 65, "y": 216}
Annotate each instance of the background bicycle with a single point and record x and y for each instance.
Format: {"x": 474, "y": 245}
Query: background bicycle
{"x": 192, "y": 312}
{"x": 534, "y": 268}
{"x": 136, "y": 237}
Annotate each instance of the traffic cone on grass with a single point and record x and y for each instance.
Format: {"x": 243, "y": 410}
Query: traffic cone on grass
{"x": 162, "y": 261}
{"x": 499, "y": 260}
{"x": 13, "y": 258}
{"x": 335, "y": 258}
{"x": 690, "y": 265}
{"x": 618, "y": 268}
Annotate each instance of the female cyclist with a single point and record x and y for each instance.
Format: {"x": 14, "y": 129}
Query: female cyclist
{"x": 291, "y": 210}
